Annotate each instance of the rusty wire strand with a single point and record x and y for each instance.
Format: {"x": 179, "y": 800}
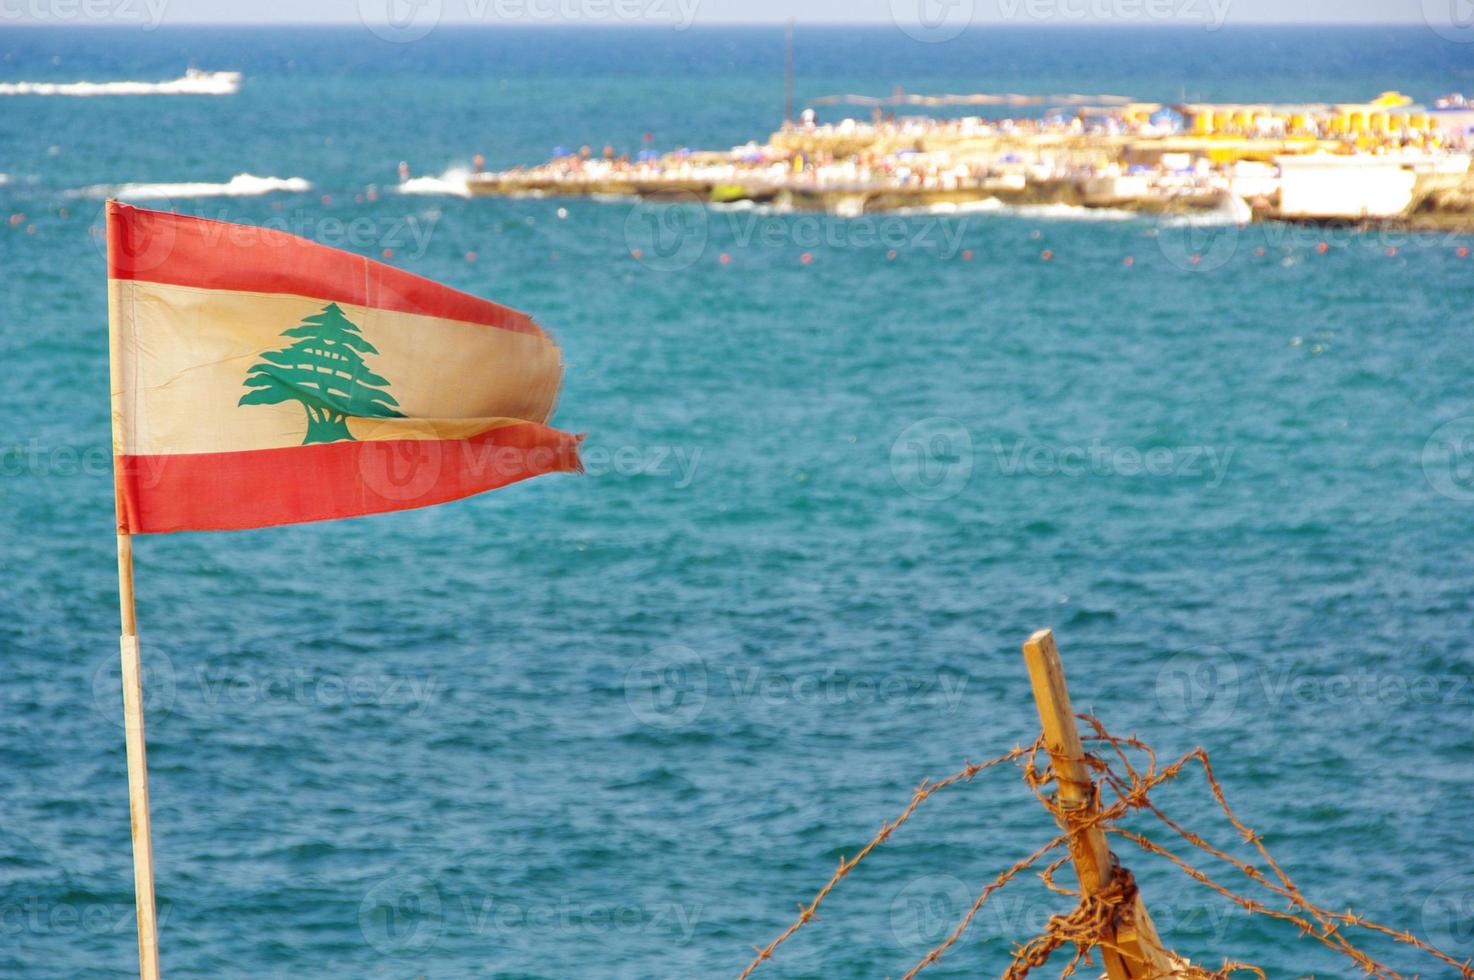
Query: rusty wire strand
{"x": 918, "y": 797}
{"x": 1328, "y": 934}
{"x": 1287, "y": 889}
{"x": 1137, "y": 799}
{"x": 1003, "y": 878}
{"x": 1092, "y": 924}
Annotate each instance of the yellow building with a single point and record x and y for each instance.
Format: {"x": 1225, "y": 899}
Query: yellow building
{"x": 1391, "y": 114}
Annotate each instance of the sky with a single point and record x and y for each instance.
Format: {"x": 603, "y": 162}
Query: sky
{"x": 698, "y": 12}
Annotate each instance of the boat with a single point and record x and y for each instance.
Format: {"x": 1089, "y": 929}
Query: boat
{"x": 211, "y": 82}
{"x": 192, "y": 82}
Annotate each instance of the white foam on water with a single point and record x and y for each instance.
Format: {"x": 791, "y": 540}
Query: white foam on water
{"x": 970, "y": 207}
{"x": 452, "y": 183}
{"x": 1232, "y": 211}
{"x": 1045, "y": 212}
{"x": 987, "y": 204}
{"x": 1072, "y": 212}
{"x": 191, "y": 83}
{"x": 756, "y": 207}
{"x": 241, "y": 185}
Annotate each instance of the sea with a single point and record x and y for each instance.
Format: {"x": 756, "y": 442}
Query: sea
{"x": 620, "y": 724}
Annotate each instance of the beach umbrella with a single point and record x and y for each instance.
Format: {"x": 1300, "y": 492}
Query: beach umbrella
{"x": 1166, "y": 117}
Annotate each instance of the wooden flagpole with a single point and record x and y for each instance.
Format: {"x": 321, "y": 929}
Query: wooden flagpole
{"x": 143, "y": 841}
{"x": 143, "y": 846}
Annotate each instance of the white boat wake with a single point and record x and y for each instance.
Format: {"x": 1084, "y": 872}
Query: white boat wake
{"x": 451, "y": 183}
{"x": 193, "y": 82}
{"x": 241, "y": 185}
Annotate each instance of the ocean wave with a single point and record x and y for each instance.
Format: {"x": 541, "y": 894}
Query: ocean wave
{"x": 1047, "y": 212}
{"x": 956, "y": 207}
{"x": 452, "y": 182}
{"x": 241, "y": 185}
{"x": 1072, "y": 212}
{"x": 192, "y": 83}
{"x": 756, "y": 207}
{"x": 1232, "y": 212}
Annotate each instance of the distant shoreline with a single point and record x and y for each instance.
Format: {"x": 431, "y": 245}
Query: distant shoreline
{"x": 1386, "y": 160}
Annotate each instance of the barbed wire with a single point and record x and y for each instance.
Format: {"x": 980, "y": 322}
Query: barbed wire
{"x": 918, "y": 796}
{"x": 1329, "y": 920}
{"x": 1004, "y": 878}
{"x": 1093, "y": 923}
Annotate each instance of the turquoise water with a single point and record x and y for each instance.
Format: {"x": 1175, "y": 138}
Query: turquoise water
{"x": 619, "y": 724}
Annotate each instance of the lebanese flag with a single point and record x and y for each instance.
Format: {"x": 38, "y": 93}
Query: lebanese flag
{"x": 259, "y": 378}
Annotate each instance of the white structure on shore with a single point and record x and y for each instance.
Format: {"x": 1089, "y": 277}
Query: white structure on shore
{"x": 1320, "y": 185}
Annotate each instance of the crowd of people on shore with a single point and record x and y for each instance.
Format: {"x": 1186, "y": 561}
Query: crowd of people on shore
{"x": 951, "y": 153}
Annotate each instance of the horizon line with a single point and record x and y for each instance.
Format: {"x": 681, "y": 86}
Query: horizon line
{"x": 490, "y": 24}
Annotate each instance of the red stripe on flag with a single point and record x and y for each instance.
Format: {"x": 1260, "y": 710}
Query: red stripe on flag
{"x": 155, "y": 246}
{"x": 262, "y": 488}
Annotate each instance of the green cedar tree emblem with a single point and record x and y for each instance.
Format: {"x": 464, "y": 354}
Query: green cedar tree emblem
{"x": 325, "y": 371}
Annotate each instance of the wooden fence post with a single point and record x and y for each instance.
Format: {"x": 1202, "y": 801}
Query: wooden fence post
{"x": 1138, "y": 953}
